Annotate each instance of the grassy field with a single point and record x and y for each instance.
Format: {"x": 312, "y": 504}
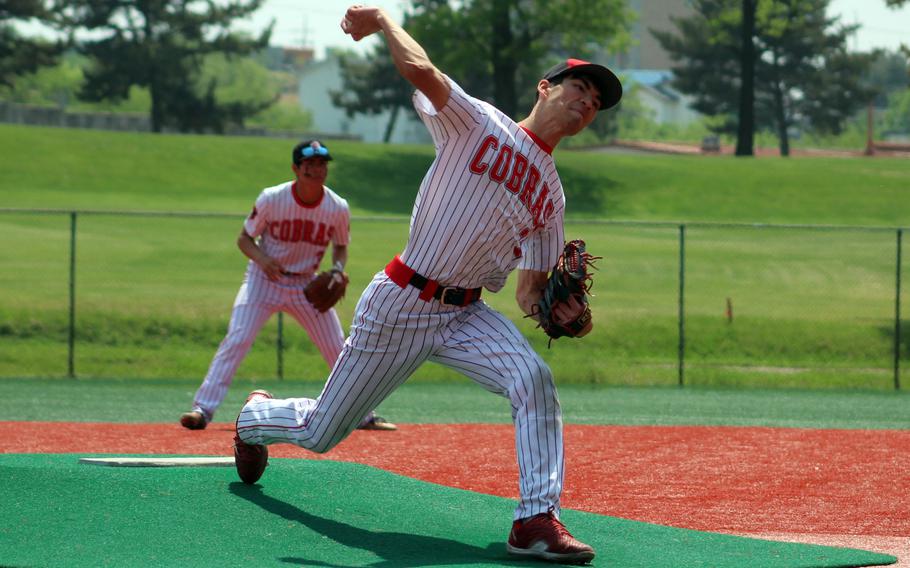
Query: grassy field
{"x": 810, "y": 307}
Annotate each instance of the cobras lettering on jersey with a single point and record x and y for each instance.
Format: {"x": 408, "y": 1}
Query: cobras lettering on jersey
{"x": 296, "y": 230}
{"x": 513, "y": 171}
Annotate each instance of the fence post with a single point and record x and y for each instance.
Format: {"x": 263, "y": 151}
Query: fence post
{"x": 71, "y": 367}
{"x": 682, "y": 298}
{"x": 280, "y": 346}
{"x": 897, "y": 315}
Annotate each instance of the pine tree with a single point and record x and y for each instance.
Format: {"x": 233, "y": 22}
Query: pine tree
{"x": 20, "y": 55}
{"x": 161, "y": 45}
{"x": 804, "y": 77}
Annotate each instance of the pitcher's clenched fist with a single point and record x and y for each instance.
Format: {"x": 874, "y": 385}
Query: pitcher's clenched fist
{"x": 360, "y": 21}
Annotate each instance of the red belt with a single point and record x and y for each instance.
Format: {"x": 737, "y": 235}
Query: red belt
{"x": 401, "y": 274}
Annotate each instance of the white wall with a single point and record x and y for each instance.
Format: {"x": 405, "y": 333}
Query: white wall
{"x": 318, "y": 78}
{"x": 667, "y": 110}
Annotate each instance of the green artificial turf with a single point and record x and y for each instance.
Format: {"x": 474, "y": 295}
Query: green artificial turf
{"x": 135, "y": 400}
{"x": 58, "y": 512}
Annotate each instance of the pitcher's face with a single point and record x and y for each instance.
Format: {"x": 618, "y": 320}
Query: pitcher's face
{"x": 577, "y": 100}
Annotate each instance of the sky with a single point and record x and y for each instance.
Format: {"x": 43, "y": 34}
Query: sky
{"x": 315, "y": 24}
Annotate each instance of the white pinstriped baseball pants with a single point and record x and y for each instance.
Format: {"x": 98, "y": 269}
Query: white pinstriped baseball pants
{"x": 392, "y": 334}
{"x": 256, "y": 301}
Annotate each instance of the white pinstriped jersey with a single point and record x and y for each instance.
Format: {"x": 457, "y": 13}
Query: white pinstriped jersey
{"x": 294, "y": 233}
{"x": 490, "y": 202}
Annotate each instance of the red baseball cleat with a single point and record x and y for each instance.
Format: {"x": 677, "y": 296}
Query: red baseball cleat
{"x": 250, "y": 459}
{"x": 193, "y": 420}
{"x": 543, "y": 536}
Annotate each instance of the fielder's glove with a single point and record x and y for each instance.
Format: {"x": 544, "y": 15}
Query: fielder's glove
{"x": 326, "y": 289}
{"x": 563, "y": 310}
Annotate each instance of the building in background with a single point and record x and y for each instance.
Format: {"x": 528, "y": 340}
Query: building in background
{"x": 646, "y": 52}
{"x": 288, "y": 59}
{"x": 319, "y": 78}
{"x": 647, "y": 65}
{"x": 656, "y": 93}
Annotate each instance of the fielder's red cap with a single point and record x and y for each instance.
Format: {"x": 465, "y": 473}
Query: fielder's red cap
{"x": 606, "y": 82}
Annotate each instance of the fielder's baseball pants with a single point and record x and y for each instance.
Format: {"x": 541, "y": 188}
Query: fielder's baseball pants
{"x": 256, "y": 301}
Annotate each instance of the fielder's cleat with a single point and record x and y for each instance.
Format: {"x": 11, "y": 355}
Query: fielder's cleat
{"x": 193, "y": 420}
{"x": 543, "y": 536}
{"x": 374, "y": 422}
{"x": 250, "y": 459}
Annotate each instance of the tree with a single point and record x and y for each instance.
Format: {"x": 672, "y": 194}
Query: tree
{"x": 888, "y": 74}
{"x": 815, "y": 83}
{"x": 371, "y": 86}
{"x": 745, "y": 133}
{"x": 896, "y": 118}
{"x": 20, "y": 55}
{"x": 162, "y": 45}
{"x": 706, "y": 51}
{"x": 804, "y": 76}
{"x": 496, "y": 49}
{"x": 55, "y": 85}
{"x": 897, "y": 4}
{"x": 890, "y": 70}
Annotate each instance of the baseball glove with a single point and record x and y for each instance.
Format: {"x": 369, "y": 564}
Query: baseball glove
{"x": 326, "y": 289}
{"x": 563, "y": 310}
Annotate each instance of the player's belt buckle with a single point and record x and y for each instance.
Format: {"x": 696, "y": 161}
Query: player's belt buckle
{"x": 457, "y": 299}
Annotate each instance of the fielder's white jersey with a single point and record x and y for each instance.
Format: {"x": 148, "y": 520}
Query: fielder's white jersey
{"x": 491, "y": 201}
{"x": 294, "y": 233}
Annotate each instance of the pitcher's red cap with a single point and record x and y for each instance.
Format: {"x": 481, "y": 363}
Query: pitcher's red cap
{"x": 607, "y": 83}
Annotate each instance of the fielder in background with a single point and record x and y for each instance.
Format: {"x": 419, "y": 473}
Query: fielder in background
{"x": 491, "y": 202}
{"x": 294, "y": 223}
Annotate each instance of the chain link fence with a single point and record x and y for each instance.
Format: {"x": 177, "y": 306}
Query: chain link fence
{"x": 148, "y": 294}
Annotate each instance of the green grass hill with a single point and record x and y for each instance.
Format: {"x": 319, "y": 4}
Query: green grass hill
{"x": 764, "y": 306}
{"x": 84, "y": 169}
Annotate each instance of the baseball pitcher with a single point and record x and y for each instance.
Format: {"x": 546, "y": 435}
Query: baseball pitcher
{"x": 491, "y": 202}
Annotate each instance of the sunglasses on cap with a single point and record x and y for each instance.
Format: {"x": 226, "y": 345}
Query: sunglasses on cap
{"x": 309, "y": 151}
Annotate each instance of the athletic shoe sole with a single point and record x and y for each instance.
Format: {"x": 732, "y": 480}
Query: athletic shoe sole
{"x": 565, "y": 558}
